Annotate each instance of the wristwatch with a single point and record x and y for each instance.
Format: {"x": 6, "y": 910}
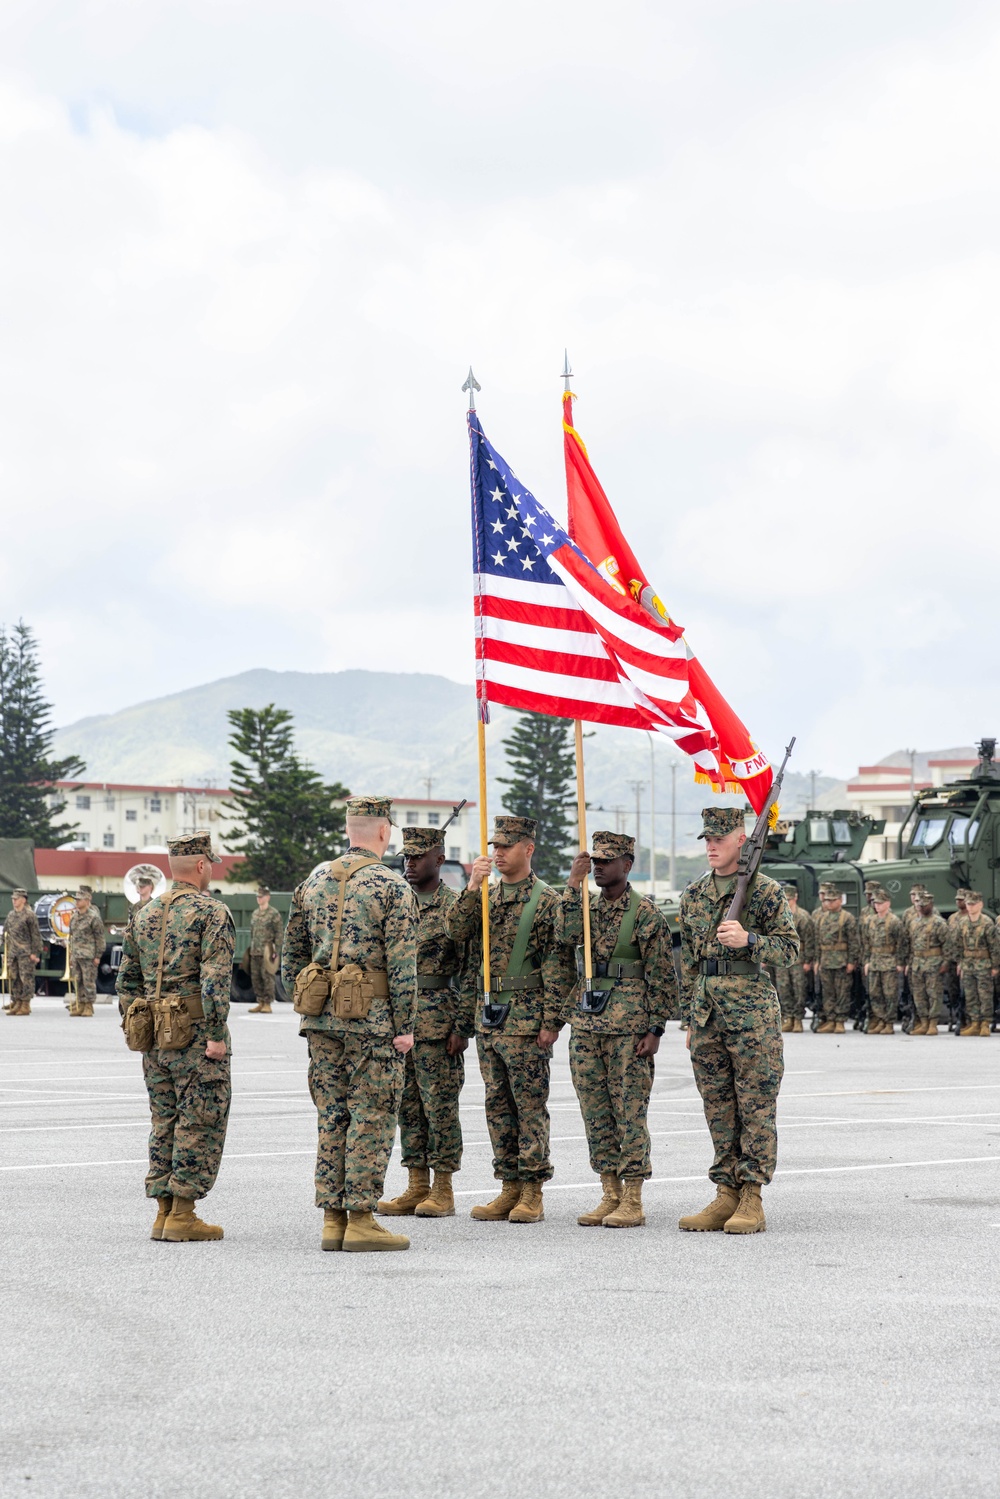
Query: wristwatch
{"x": 751, "y": 940}
{"x": 656, "y": 1030}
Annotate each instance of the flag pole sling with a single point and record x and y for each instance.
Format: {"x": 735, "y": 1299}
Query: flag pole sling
{"x": 484, "y": 849}
{"x": 581, "y": 820}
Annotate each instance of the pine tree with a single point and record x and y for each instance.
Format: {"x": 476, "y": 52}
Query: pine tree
{"x": 290, "y": 820}
{"x": 540, "y": 756}
{"x": 27, "y": 770}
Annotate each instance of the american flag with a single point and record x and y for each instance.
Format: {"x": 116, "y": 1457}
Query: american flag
{"x": 551, "y": 637}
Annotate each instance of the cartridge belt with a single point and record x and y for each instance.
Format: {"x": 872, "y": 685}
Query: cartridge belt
{"x": 619, "y": 969}
{"x": 720, "y": 967}
{"x": 191, "y": 997}
{"x": 426, "y": 981}
{"x": 379, "y": 980}
{"x": 506, "y": 984}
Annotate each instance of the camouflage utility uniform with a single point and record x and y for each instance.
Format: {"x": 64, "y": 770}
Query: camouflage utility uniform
{"x": 515, "y": 1069}
{"x": 430, "y": 1133}
{"x": 355, "y": 1072}
{"x": 189, "y": 1093}
{"x": 612, "y": 1083}
{"x": 791, "y": 978}
{"x": 883, "y": 940}
{"x": 923, "y": 948}
{"x": 975, "y": 946}
{"x": 86, "y": 942}
{"x": 838, "y": 942}
{"x": 265, "y": 930}
{"x": 22, "y": 938}
{"x": 736, "y": 1046}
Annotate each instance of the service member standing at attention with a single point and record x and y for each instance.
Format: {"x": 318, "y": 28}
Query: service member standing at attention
{"x": 22, "y": 940}
{"x": 265, "y": 946}
{"x": 350, "y": 955}
{"x": 173, "y": 990}
{"x": 86, "y": 948}
{"x": 735, "y": 1035}
{"x": 144, "y": 885}
{"x": 952, "y": 985}
{"x": 532, "y": 972}
{"x": 838, "y": 951}
{"x": 616, "y": 1030}
{"x": 791, "y": 977}
{"x": 924, "y": 942}
{"x": 883, "y": 941}
{"x": 975, "y": 946}
{"x": 430, "y": 1132}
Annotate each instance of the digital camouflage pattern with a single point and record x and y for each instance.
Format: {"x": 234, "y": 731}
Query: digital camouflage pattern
{"x": 612, "y": 1083}
{"x": 355, "y": 1073}
{"x": 790, "y": 978}
{"x": 430, "y": 1131}
{"x": 838, "y": 942}
{"x": 923, "y": 949}
{"x": 21, "y": 936}
{"x": 515, "y": 1069}
{"x": 975, "y": 947}
{"x": 736, "y": 1048}
{"x": 189, "y": 1095}
{"x": 379, "y": 932}
{"x": 718, "y": 821}
{"x": 86, "y": 942}
{"x": 883, "y": 944}
{"x": 265, "y": 927}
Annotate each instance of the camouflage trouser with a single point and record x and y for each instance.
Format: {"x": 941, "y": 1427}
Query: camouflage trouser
{"x": 837, "y": 984}
{"x": 356, "y": 1082}
{"x": 261, "y": 981}
{"x": 925, "y": 986}
{"x": 84, "y": 975}
{"x": 791, "y": 986}
{"x": 515, "y": 1070}
{"x": 952, "y": 985}
{"x": 430, "y": 1132}
{"x": 613, "y": 1087}
{"x": 21, "y": 974}
{"x": 978, "y": 989}
{"x": 189, "y": 1098}
{"x": 738, "y": 1072}
{"x": 883, "y": 995}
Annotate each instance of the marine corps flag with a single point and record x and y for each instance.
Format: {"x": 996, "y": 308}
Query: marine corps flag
{"x": 739, "y": 764}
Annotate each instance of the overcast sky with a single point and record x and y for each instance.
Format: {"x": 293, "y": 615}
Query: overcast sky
{"x": 250, "y": 248}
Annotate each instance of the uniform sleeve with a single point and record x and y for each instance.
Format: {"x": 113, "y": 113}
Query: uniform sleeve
{"x": 401, "y": 959}
{"x": 276, "y": 928}
{"x": 865, "y": 938}
{"x": 853, "y": 940}
{"x": 952, "y": 944}
{"x": 34, "y": 934}
{"x": 777, "y": 940}
{"x": 465, "y": 918}
{"x": 652, "y": 936}
{"x": 558, "y": 973}
{"x": 689, "y": 961}
{"x": 296, "y": 950}
{"x": 899, "y": 942}
{"x": 993, "y": 943}
{"x": 569, "y": 917}
{"x": 129, "y": 984}
{"x": 218, "y": 943}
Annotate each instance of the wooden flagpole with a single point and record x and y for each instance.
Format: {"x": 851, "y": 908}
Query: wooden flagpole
{"x": 472, "y": 385}
{"x": 581, "y": 822}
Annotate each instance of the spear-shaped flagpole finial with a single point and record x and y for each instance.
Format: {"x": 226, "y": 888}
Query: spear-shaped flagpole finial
{"x": 472, "y": 385}
{"x": 567, "y": 372}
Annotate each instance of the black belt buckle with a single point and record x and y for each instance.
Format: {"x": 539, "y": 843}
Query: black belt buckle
{"x": 494, "y": 1015}
{"x": 710, "y": 967}
{"x": 595, "y": 1001}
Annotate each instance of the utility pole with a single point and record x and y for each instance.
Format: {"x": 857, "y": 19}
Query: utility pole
{"x": 652, "y": 818}
{"x": 637, "y": 788}
{"x": 428, "y": 782}
{"x": 673, "y": 825}
{"x": 913, "y": 779}
{"x": 812, "y": 789}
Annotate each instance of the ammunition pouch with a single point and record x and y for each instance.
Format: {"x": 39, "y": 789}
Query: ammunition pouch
{"x": 138, "y": 1026}
{"x": 350, "y": 989}
{"x": 721, "y": 967}
{"x": 429, "y": 981}
{"x": 312, "y": 990}
{"x": 173, "y": 1020}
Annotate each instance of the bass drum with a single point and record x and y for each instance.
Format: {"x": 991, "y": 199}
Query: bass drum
{"x": 54, "y": 913}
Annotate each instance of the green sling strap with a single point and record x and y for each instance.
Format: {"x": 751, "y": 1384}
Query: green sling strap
{"x": 514, "y": 975}
{"x": 626, "y": 951}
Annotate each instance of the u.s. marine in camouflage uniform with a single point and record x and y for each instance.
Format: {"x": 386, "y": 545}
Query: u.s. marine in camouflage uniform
{"x": 838, "y": 952}
{"x": 22, "y": 945}
{"x": 791, "y": 978}
{"x": 356, "y": 1067}
{"x": 611, "y": 1053}
{"x": 735, "y": 1035}
{"x": 430, "y": 1131}
{"x": 190, "y": 1088}
{"x": 924, "y": 947}
{"x": 515, "y": 1057}
{"x": 265, "y": 932}
{"x": 883, "y": 950}
{"x": 86, "y": 948}
{"x": 952, "y": 983}
{"x": 974, "y": 945}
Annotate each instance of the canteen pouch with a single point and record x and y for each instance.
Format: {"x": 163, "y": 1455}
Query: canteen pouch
{"x": 352, "y": 991}
{"x": 312, "y": 990}
{"x": 172, "y": 1024}
{"x": 138, "y": 1026}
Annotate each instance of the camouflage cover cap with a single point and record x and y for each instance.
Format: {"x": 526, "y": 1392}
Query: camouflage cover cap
{"x": 972, "y": 897}
{"x": 19, "y": 891}
{"x": 789, "y": 886}
{"x": 371, "y": 806}
{"x": 880, "y": 892}
{"x": 918, "y": 889}
{"x": 144, "y": 879}
{"x": 827, "y": 889}
{"x": 872, "y": 885}
{"x": 84, "y": 891}
{"x": 191, "y": 845}
{"x": 510, "y": 830}
{"x": 613, "y": 846}
{"x": 263, "y": 890}
{"x": 422, "y": 840}
{"x": 962, "y": 894}
{"x": 721, "y": 820}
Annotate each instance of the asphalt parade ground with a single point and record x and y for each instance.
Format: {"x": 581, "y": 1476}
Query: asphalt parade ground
{"x": 850, "y": 1350}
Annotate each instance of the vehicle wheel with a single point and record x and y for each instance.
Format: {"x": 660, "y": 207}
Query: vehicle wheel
{"x": 241, "y": 989}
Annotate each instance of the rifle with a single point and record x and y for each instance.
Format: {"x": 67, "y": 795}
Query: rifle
{"x": 454, "y": 813}
{"x": 753, "y": 849}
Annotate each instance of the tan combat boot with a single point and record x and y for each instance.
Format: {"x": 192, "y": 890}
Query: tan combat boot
{"x": 786, "y": 1022}
{"x": 984, "y": 1027}
{"x": 874, "y": 1028}
{"x": 365, "y": 1236}
{"x": 713, "y": 1218}
{"x": 88, "y": 1009}
{"x": 334, "y": 1228}
{"x": 971, "y": 1028}
{"x": 931, "y": 1028}
{"x": 749, "y": 1215}
{"x": 628, "y": 1213}
{"x": 888, "y": 1029}
{"x": 612, "y": 1197}
{"x": 17, "y": 1008}
{"x": 838, "y": 1028}
{"x": 163, "y": 1209}
{"x": 185, "y": 1227}
{"x": 825, "y": 1029}
{"x": 797, "y": 1025}
{"x": 500, "y": 1207}
{"x": 440, "y": 1201}
{"x": 529, "y": 1209}
{"x": 73, "y": 1009}
{"x": 920, "y": 1029}
{"x": 259, "y": 1010}
{"x": 406, "y": 1203}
